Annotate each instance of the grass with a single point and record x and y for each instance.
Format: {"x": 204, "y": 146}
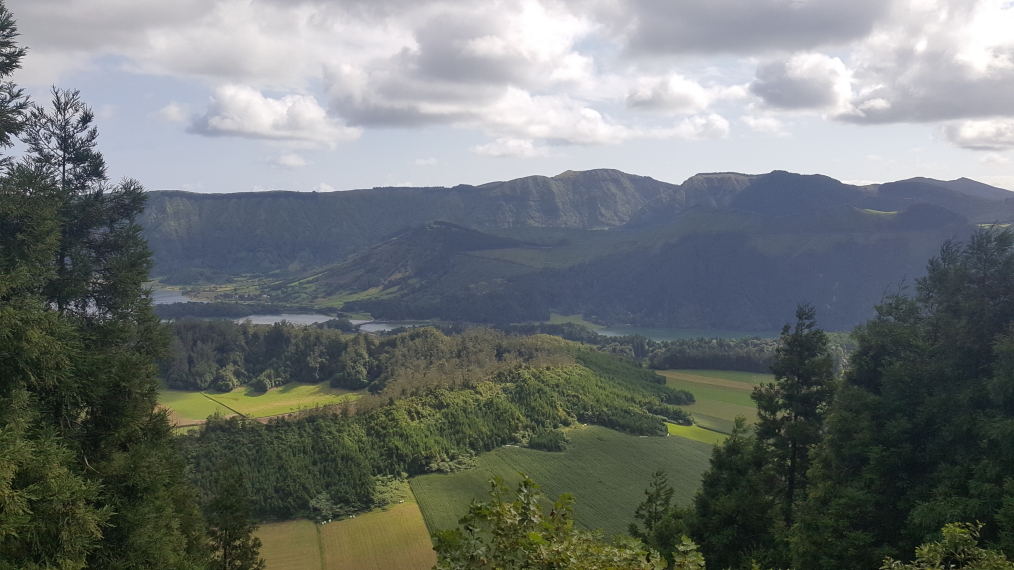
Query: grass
{"x": 292, "y": 545}
{"x": 395, "y": 539}
{"x": 190, "y": 407}
{"x": 292, "y": 397}
{"x": 391, "y": 539}
{"x": 720, "y": 396}
{"x": 696, "y": 433}
{"x": 555, "y": 319}
{"x": 605, "y": 470}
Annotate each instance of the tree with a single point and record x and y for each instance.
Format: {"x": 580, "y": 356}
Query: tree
{"x": 230, "y": 524}
{"x": 735, "y": 510}
{"x": 790, "y": 411}
{"x": 515, "y": 533}
{"x": 919, "y": 432}
{"x": 958, "y": 549}
{"x": 89, "y": 471}
{"x": 657, "y": 504}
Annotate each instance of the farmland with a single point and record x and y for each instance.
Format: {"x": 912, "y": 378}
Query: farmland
{"x": 190, "y": 408}
{"x": 605, "y": 470}
{"x": 392, "y": 539}
{"x": 721, "y": 395}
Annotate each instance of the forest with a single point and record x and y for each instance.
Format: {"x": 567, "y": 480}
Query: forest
{"x": 886, "y": 448}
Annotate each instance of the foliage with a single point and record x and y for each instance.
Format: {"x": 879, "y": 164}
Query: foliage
{"x": 958, "y": 549}
{"x": 548, "y": 440}
{"x": 516, "y": 533}
{"x": 790, "y": 411}
{"x": 89, "y": 472}
{"x": 918, "y": 436}
{"x": 418, "y": 428}
{"x": 231, "y": 527}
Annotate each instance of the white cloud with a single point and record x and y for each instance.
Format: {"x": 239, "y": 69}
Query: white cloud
{"x": 323, "y": 187}
{"x": 765, "y": 125}
{"x": 994, "y": 158}
{"x": 241, "y": 111}
{"x": 673, "y": 94}
{"x": 424, "y": 162}
{"x": 174, "y": 113}
{"x": 994, "y": 134}
{"x": 288, "y": 161}
{"x": 512, "y": 148}
{"x": 711, "y": 126}
{"x": 549, "y": 71}
{"x": 804, "y": 81}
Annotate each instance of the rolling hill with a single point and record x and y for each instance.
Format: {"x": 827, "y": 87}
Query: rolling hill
{"x": 720, "y": 251}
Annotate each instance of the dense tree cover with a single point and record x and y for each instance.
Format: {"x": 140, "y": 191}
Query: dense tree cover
{"x": 513, "y": 531}
{"x": 917, "y": 435}
{"x": 90, "y": 475}
{"x": 231, "y": 310}
{"x": 919, "y": 431}
{"x": 435, "y": 413}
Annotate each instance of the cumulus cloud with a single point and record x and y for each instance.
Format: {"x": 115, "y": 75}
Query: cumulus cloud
{"x": 513, "y": 148}
{"x": 744, "y": 26}
{"x": 323, "y": 187}
{"x": 241, "y": 111}
{"x": 981, "y": 135}
{"x": 994, "y": 158}
{"x": 674, "y": 94}
{"x": 765, "y": 125}
{"x": 935, "y": 61}
{"x": 805, "y": 81}
{"x": 548, "y": 71}
{"x": 289, "y": 161}
{"x": 712, "y": 126}
{"x": 174, "y": 113}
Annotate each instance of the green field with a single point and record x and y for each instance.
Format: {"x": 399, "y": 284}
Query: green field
{"x": 605, "y": 470}
{"x": 189, "y": 408}
{"x": 555, "y": 319}
{"x": 392, "y": 539}
{"x": 292, "y": 545}
{"x": 696, "y": 433}
{"x": 720, "y": 395}
{"x": 291, "y": 397}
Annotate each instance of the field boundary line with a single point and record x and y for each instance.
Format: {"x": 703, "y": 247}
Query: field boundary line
{"x": 223, "y": 405}
{"x": 724, "y": 382}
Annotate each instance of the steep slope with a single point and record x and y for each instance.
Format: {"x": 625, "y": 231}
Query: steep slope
{"x": 267, "y": 231}
{"x": 968, "y": 187}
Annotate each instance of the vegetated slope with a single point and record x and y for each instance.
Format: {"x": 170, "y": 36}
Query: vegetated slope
{"x": 605, "y": 470}
{"x": 720, "y": 251}
{"x": 706, "y": 269}
{"x": 194, "y": 235}
{"x": 439, "y": 401}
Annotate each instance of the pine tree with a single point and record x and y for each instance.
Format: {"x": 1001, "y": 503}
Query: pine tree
{"x": 89, "y": 471}
{"x": 231, "y": 525}
{"x": 790, "y": 411}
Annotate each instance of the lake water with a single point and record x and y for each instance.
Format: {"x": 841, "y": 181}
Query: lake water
{"x": 293, "y": 318}
{"x": 165, "y": 296}
{"x": 378, "y": 326}
{"x": 676, "y": 334}
{"x": 653, "y": 334}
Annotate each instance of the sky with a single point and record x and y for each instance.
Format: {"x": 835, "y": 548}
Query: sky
{"x": 250, "y": 95}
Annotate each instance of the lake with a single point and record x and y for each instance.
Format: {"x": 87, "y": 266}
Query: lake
{"x": 295, "y": 319}
{"x": 166, "y": 296}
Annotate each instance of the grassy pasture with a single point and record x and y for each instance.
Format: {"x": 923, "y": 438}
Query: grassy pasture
{"x": 292, "y": 545}
{"x": 188, "y": 408}
{"x": 555, "y": 319}
{"x": 696, "y": 433}
{"x": 391, "y": 539}
{"x": 395, "y": 539}
{"x": 720, "y": 395}
{"x": 605, "y": 470}
{"x": 291, "y": 397}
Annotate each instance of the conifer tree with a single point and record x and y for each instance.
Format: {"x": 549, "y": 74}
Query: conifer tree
{"x": 89, "y": 471}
